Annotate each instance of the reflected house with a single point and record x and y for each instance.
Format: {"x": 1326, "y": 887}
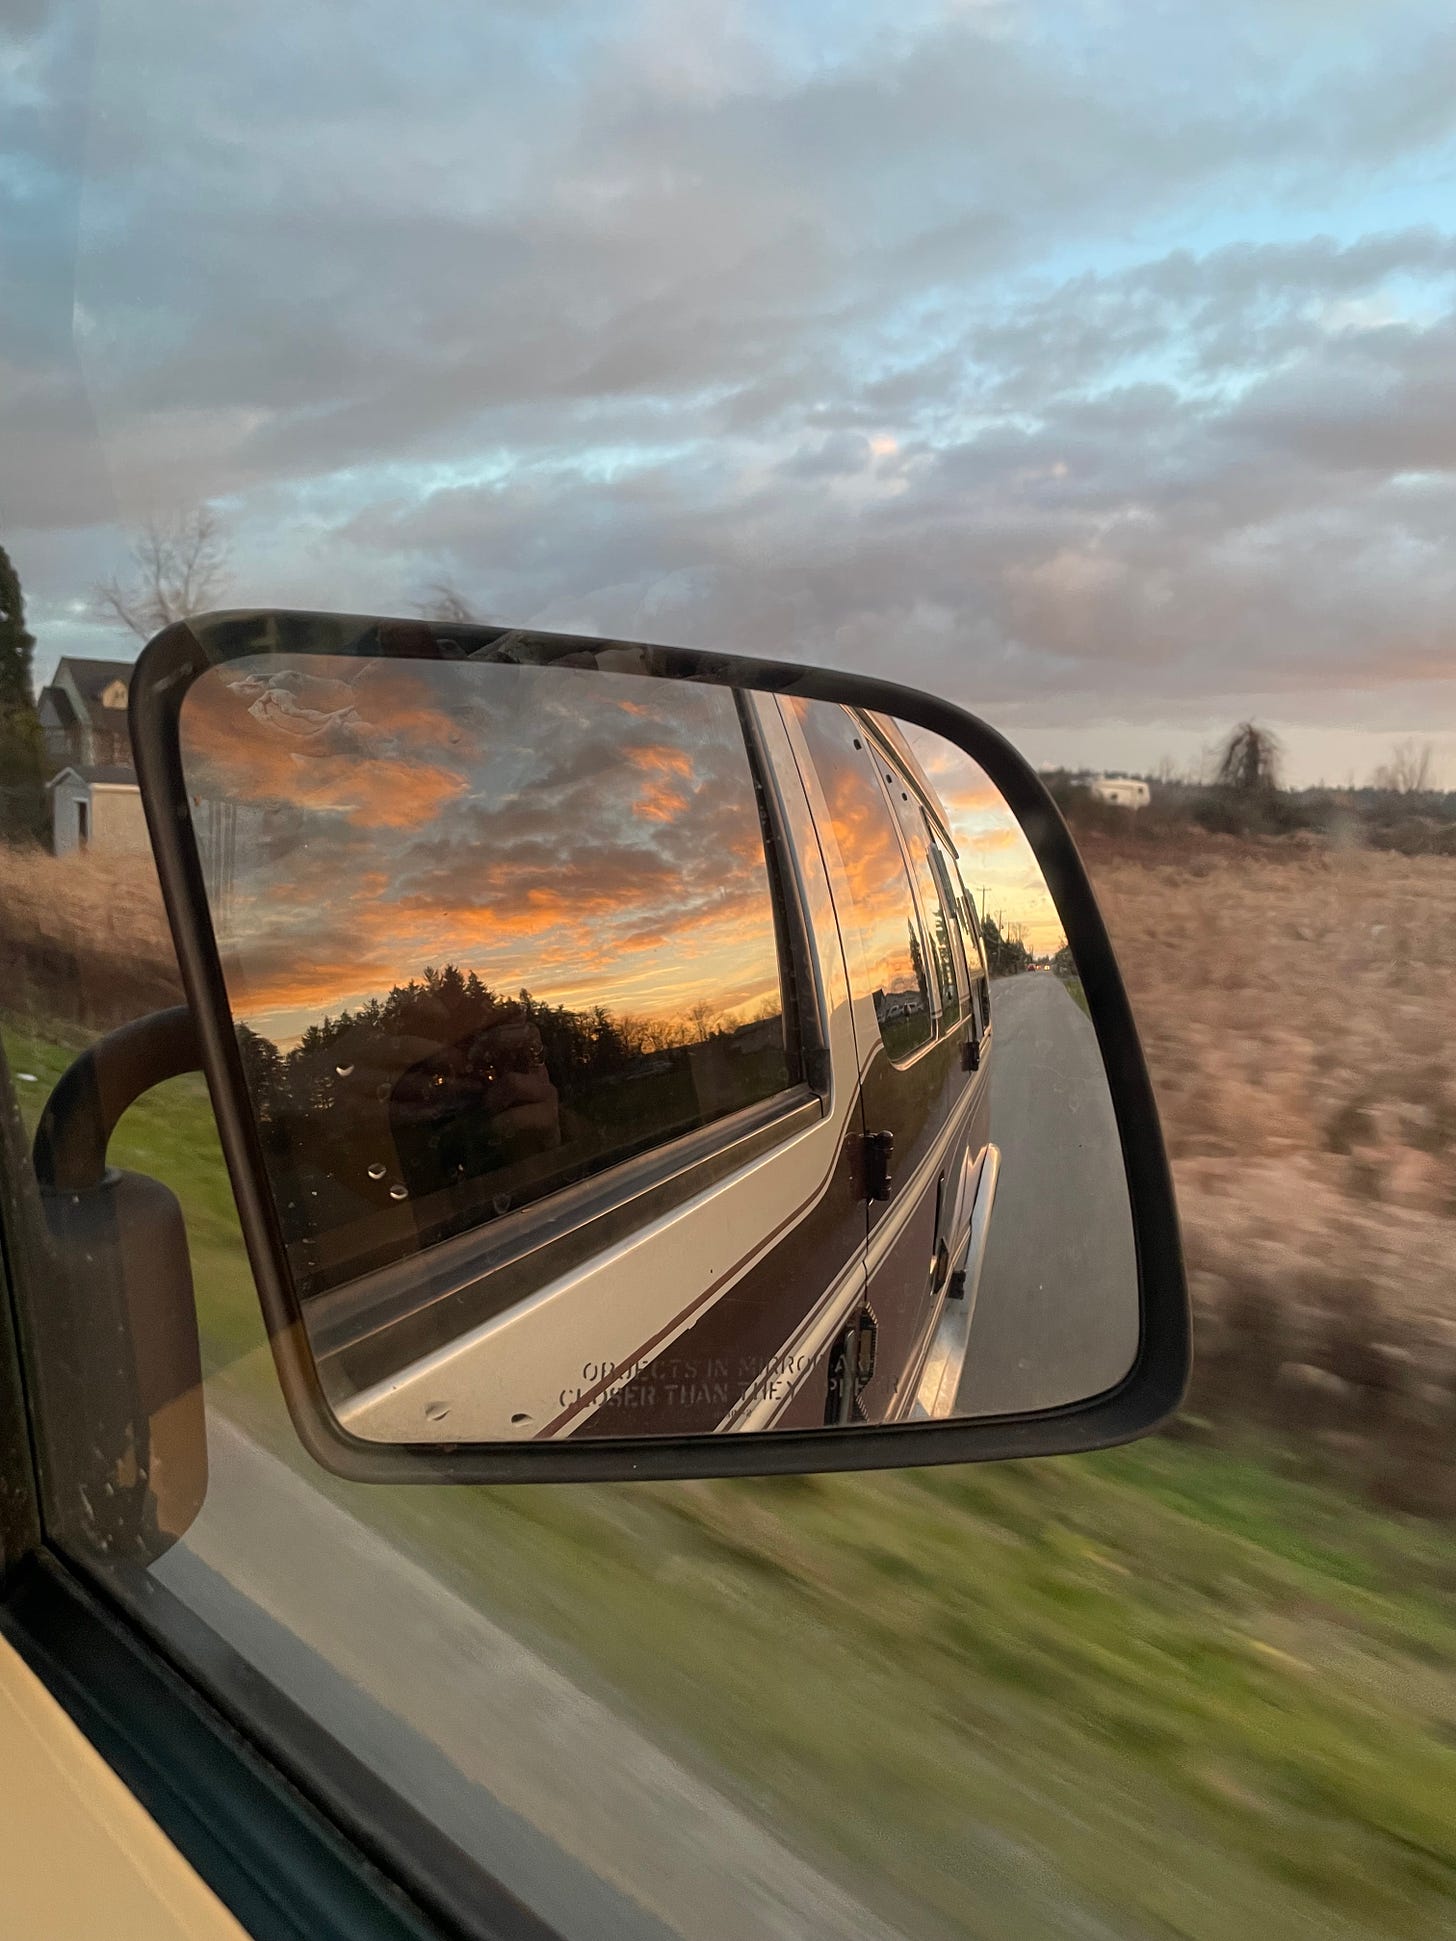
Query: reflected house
{"x": 650, "y": 1065}
{"x": 763, "y": 1034}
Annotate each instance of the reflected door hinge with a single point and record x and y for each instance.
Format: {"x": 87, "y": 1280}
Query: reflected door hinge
{"x": 879, "y": 1150}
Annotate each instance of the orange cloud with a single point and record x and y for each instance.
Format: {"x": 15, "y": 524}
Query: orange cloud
{"x": 229, "y": 752}
{"x": 661, "y": 761}
{"x": 974, "y": 798}
{"x": 398, "y": 700}
{"x": 304, "y": 986}
{"x": 668, "y": 959}
{"x": 579, "y": 907}
{"x": 660, "y": 803}
{"x": 379, "y": 794}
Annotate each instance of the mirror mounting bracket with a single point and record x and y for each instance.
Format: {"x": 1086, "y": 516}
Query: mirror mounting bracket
{"x": 126, "y": 1358}
{"x": 98, "y": 1086}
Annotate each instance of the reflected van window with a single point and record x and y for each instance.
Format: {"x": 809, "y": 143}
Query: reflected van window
{"x": 883, "y": 911}
{"x": 478, "y": 949}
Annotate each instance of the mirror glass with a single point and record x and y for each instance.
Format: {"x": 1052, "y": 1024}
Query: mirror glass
{"x": 631, "y": 1056}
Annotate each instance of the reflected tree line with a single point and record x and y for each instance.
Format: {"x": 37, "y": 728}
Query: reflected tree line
{"x": 450, "y": 1006}
{"x": 481, "y": 1101}
{"x": 1006, "y": 952}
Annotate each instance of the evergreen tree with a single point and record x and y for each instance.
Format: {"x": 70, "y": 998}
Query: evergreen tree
{"x": 1006, "y": 956}
{"x": 917, "y": 964}
{"x": 16, "y": 644}
{"x": 22, "y": 746}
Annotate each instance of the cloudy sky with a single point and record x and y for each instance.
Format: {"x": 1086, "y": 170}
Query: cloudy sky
{"x": 591, "y": 837}
{"x": 1094, "y": 363}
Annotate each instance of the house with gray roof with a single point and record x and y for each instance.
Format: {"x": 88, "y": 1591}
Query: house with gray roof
{"x": 83, "y": 713}
{"x": 93, "y": 787}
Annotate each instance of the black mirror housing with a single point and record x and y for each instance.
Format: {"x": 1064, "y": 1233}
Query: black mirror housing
{"x": 1154, "y": 1380}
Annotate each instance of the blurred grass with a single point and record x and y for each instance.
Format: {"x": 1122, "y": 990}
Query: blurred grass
{"x": 1203, "y": 1694}
{"x": 1078, "y": 996}
{"x": 1219, "y": 1702}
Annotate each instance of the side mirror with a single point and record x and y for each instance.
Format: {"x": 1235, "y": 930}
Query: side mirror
{"x": 600, "y": 1040}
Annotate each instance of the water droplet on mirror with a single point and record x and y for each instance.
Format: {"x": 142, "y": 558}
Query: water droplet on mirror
{"x": 376, "y": 1171}
{"x": 520, "y": 1417}
{"x": 381, "y": 1091}
{"x": 436, "y": 1411}
{"x": 343, "y": 1070}
{"x": 501, "y": 1202}
{"x": 398, "y": 1192}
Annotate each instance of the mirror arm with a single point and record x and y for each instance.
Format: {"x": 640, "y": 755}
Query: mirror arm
{"x": 119, "y": 1308}
{"x": 96, "y": 1088}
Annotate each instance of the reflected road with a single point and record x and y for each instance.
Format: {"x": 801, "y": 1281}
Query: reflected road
{"x": 1056, "y": 1319}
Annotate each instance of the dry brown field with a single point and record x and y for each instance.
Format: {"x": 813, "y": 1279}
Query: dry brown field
{"x": 83, "y": 938}
{"x": 1298, "y": 1006}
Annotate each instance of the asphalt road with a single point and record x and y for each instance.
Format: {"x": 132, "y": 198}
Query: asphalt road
{"x": 1056, "y": 1319}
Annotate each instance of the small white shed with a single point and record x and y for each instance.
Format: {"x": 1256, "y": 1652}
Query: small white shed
{"x": 97, "y": 808}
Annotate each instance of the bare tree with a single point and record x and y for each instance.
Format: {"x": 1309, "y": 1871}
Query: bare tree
{"x": 178, "y": 568}
{"x": 1410, "y": 770}
{"x": 1248, "y": 763}
{"x": 701, "y": 1016}
{"x": 444, "y": 601}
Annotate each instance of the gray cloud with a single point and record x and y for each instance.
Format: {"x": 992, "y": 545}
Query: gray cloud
{"x": 968, "y": 345}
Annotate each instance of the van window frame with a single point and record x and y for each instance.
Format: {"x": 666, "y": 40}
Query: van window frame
{"x": 940, "y": 868}
{"x": 884, "y": 754}
{"x": 937, "y": 1008}
{"x": 869, "y": 747}
{"x": 982, "y": 974}
{"x": 944, "y": 1025}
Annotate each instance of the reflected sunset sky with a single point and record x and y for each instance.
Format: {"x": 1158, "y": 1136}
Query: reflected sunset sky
{"x": 580, "y": 835}
{"x": 996, "y": 861}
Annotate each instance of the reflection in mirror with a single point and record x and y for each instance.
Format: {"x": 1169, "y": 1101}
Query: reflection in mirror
{"x": 629, "y": 1056}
